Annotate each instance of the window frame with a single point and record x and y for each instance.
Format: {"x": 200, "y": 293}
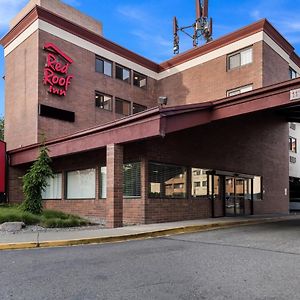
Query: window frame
{"x": 126, "y": 101}
{"x": 199, "y": 171}
{"x": 240, "y": 88}
{"x": 135, "y": 73}
{"x": 140, "y": 179}
{"x": 123, "y": 68}
{"x": 104, "y": 60}
{"x": 66, "y": 184}
{"x": 97, "y": 93}
{"x": 100, "y": 187}
{"x": 291, "y": 139}
{"x": 61, "y": 188}
{"x": 163, "y": 196}
{"x": 293, "y": 73}
{"x": 239, "y": 53}
{"x": 140, "y": 105}
{"x": 261, "y": 188}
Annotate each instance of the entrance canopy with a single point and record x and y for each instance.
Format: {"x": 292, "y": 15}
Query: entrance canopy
{"x": 282, "y": 98}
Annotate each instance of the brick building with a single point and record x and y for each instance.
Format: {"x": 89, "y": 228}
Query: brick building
{"x": 218, "y": 147}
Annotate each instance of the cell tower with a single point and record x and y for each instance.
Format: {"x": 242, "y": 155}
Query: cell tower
{"x": 202, "y": 28}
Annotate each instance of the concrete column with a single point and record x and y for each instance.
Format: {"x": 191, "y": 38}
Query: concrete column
{"x": 114, "y": 197}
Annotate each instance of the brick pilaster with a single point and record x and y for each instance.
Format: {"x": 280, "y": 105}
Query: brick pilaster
{"x": 114, "y": 198}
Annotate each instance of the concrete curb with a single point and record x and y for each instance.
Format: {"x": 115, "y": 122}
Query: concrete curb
{"x": 138, "y": 236}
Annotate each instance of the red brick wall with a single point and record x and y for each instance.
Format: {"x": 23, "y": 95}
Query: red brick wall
{"x": 275, "y": 68}
{"x": 80, "y": 97}
{"x": 21, "y": 96}
{"x": 254, "y": 145}
{"x": 211, "y": 80}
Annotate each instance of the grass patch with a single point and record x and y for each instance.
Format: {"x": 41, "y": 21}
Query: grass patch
{"x": 48, "y": 218}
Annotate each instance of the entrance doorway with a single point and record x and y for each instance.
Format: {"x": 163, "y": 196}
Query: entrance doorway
{"x": 234, "y": 196}
{"x": 231, "y": 194}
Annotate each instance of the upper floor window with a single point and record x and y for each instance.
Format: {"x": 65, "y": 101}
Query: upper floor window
{"x": 103, "y": 66}
{"x": 293, "y": 144}
{"x": 240, "y": 58}
{"x": 136, "y": 108}
{"x": 123, "y": 73}
{"x": 103, "y": 101}
{"x": 240, "y": 90}
{"x": 293, "y": 73}
{"x": 139, "y": 80}
{"x": 122, "y": 107}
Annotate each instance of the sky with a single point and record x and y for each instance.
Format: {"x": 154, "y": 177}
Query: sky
{"x": 145, "y": 26}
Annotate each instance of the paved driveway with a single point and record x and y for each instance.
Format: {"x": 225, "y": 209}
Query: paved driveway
{"x": 249, "y": 262}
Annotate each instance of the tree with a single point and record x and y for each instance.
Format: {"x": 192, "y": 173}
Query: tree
{"x": 35, "y": 181}
{"x": 2, "y": 128}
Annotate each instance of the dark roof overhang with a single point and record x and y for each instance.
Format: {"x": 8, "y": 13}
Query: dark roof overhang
{"x": 158, "y": 121}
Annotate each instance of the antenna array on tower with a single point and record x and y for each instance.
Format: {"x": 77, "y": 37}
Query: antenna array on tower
{"x": 202, "y": 28}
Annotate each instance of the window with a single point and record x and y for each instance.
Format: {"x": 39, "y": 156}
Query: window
{"x": 240, "y": 90}
{"x": 81, "y": 184}
{"x": 139, "y": 80}
{"x": 293, "y": 73}
{"x": 136, "y": 108}
{"x": 166, "y": 181}
{"x": 132, "y": 179}
{"x": 53, "y": 188}
{"x": 257, "y": 188}
{"x": 122, "y": 107}
{"x": 123, "y": 73}
{"x": 293, "y": 126}
{"x": 293, "y": 144}
{"x": 199, "y": 182}
{"x": 103, "y": 101}
{"x": 241, "y": 58}
{"x": 103, "y": 180}
{"x": 103, "y": 66}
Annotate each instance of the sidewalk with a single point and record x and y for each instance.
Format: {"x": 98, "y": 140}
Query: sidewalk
{"x": 26, "y": 240}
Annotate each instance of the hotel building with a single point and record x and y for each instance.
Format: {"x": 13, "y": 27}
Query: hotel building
{"x": 218, "y": 147}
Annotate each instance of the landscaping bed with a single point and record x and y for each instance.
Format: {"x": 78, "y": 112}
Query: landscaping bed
{"x": 47, "y": 219}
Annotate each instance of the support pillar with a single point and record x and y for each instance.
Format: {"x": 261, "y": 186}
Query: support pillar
{"x": 114, "y": 197}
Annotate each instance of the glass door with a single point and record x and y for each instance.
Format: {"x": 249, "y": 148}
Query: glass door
{"x": 234, "y": 196}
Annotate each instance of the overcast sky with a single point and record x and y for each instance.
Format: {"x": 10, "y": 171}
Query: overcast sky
{"x": 145, "y": 26}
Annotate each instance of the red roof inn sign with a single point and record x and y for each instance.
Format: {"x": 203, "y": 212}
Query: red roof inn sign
{"x": 55, "y": 72}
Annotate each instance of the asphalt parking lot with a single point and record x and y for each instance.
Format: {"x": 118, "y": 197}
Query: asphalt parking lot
{"x": 247, "y": 262}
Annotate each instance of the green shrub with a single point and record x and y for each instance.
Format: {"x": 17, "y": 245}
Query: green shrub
{"x": 49, "y": 218}
{"x": 52, "y": 214}
{"x": 63, "y": 223}
{"x": 15, "y": 215}
{"x": 35, "y": 181}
